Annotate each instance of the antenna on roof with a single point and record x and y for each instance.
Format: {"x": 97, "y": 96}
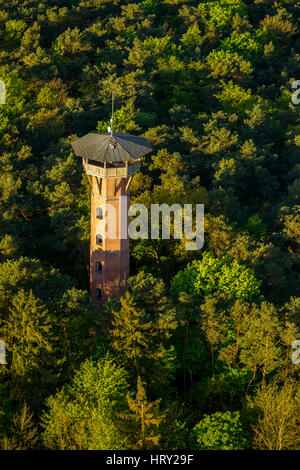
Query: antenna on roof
{"x": 112, "y": 112}
{"x": 110, "y": 128}
{"x": 113, "y": 143}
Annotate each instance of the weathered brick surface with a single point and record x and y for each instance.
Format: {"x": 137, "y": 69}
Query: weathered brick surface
{"x": 114, "y": 252}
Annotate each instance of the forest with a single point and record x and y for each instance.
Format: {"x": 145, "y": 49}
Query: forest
{"x": 198, "y": 354}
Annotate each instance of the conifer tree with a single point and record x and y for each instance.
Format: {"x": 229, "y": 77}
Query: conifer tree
{"x": 144, "y": 420}
{"x": 23, "y": 433}
{"x": 130, "y": 332}
{"x": 27, "y": 335}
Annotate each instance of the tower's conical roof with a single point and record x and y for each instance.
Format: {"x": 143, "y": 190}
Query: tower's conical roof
{"x": 111, "y": 148}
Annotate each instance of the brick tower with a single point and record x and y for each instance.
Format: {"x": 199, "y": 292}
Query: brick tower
{"x": 110, "y": 160}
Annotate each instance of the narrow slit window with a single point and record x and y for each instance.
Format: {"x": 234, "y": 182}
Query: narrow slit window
{"x": 98, "y": 266}
{"x": 99, "y": 213}
{"x": 98, "y": 293}
{"x": 99, "y": 240}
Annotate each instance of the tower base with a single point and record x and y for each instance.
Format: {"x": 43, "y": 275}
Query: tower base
{"x": 108, "y": 275}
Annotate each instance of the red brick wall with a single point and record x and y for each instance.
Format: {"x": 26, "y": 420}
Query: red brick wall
{"x": 114, "y": 253}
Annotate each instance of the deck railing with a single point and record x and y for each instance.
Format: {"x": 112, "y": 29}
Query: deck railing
{"x": 109, "y": 172}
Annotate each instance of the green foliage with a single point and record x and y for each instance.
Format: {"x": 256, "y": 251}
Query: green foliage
{"x": 249, "y": 45}
{"x": 150, "y": 6}
{"x": 143, "y": 421}
{"x": 220, "y": 13}
{"x": 192, "y": 37}
{"x": 223, "y": 63}
{"x": 209, "y": 84}
{"x": 278, "y": 422}
{"x": 141, "y": 327}
{"x": 156, "y": 45}
{"x": 235, "y": 98}
{"x": 83, "y": 415}
{"x": 70, "y": 42}
{"x": 256, "y": 228}
{"x": 128, "y": 119}
{"x": 3, "y": 124}
{"x": 23, "y": 433}
{"x": 222, "y": 431}
{"x": 202, "y": 278}
{"x": 13, "y": 30}
{"x": 27, "y": 333}
{"x": 260, "y": 341}
{"x": 15, "y": 94}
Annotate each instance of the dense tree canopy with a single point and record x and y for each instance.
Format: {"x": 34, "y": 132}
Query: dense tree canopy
{"x": 197, "y": 354}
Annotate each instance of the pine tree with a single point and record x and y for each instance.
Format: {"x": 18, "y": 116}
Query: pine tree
{"x": 130, "y": 333}
{"x": 23, "y": 434}
{"x": 213, "y": 324}
{"x": 27, "y": 335}
{"x": 144, "y": 420}
{"x": 140, "y": 335}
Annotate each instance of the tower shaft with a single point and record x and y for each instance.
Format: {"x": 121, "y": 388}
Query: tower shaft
{"x": 109, "y": 254}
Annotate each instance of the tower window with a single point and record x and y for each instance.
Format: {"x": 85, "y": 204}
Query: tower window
{"x": 99, "y": 213}
{"x": 99, "y": 240}
{"x": 98, "y": 293}
{"x": 98, "y": 266}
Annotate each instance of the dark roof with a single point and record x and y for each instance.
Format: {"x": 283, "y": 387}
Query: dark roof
{"x": 94, "y": 146}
